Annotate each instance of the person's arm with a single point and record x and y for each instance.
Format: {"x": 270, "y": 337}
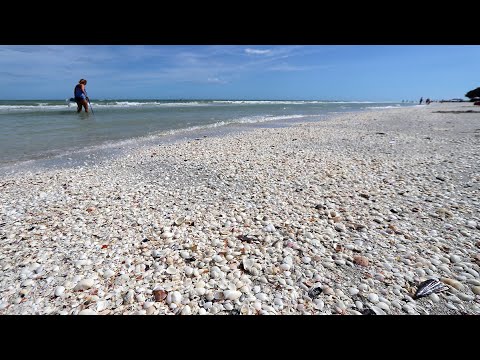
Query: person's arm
{"x": 83, "y": 90}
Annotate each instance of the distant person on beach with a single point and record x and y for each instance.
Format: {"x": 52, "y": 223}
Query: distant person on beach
{"x": 81, "y": 97}
{"x": 420, "y": 102}
{"x": 427, "y": 101}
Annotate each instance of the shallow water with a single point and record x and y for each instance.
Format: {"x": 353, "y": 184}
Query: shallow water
{"x": 39, "y": 132}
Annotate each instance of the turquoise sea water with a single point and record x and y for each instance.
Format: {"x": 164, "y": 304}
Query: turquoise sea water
{"x": 42, "y": 129}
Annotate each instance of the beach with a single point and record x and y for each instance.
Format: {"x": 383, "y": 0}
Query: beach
{"x": 348, "y": 215}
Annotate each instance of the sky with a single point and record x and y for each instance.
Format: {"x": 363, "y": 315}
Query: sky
{"x": 240, "y": 72}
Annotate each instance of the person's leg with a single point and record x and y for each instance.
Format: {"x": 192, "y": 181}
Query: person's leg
{"x": 79, "y": 106}
{"x": 85, "y": 104}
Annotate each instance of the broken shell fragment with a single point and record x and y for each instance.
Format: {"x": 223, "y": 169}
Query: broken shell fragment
{"x": 428, "y": 287}
{"x": 314, "y": 292}
{"x": 159, "y": 294}
{"x": 179, "y": 221}
{"x": 247, "y": 238}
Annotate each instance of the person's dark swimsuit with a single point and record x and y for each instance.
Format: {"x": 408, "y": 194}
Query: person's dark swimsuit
{"x": 79, "y": 95}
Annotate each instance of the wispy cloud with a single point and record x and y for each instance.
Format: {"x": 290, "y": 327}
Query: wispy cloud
{"x": 170, "y": 63}
{"x": 258, "y": 51}
{"x": 30, "y": 68}
{"x": 216, "y": 81}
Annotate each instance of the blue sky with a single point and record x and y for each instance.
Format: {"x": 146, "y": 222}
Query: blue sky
{"x": 310, "y": 72}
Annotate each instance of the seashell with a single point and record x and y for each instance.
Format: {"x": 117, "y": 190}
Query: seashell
{"x": 186, "y": 310}
{"x": 28, "y": 282}
{"x": 360, "y": 260}
{"x": 159, "y": 294}
{"x": 232, "y": 294}
{"x": 200, "y": 291}
{"x": 148, "y": 304}
{"x": 428, "y": 287}
{"x": 368, "y": 311}
{"x": 108, "y": 274}
{"x": 248, "y": 264}
{"x": 59, "y": 291}
{"x": 102, "y": 305}
{"x": 87, "y": 312}
{"x": 244, "y": 310}
{"x": 128, "y": 297}
{"x": 171, "y": 270}
{"x": 185, "y": 254}
{"x": 174, "y": 298}
{"x": 179, "y": 221}
{"x": 315, "y": 292}
{"x": 84, "y": 284}
{"x": 247, "y": 238}
{"x": 218, "y": 295}
{"x": 166, "y": 235}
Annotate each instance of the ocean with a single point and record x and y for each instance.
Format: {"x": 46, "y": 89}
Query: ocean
{"x": 38, "y": 131}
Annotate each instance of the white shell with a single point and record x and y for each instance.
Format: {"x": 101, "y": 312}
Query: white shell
{"x": 171, "y": 270}
{"x": 84, "y": 284}
{"x": 248, "y": 264}
{"x": 108, "y": 274}
{"x": 186, "y": 310}
{"x": 59, "y": 291}
{"x": 87, "y": 312}
{"x": 232, "y": 294}
{"x": 174, "y": 298}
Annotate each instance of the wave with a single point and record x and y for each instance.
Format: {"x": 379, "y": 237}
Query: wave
{"x": 384, "y": 107}
{"x": 42, "y": 105}
{"x": 289, "y": 102}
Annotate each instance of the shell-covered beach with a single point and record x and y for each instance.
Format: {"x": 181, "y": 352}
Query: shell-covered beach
{"x": 343, "y": 216}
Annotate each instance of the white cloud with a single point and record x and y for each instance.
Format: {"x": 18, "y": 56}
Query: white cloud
{"x": 137, "y": 65}
{"x": 257, "y": 51}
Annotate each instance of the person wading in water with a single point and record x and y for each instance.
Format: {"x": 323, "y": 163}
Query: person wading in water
{"x": 81, "y": 97}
